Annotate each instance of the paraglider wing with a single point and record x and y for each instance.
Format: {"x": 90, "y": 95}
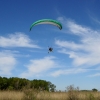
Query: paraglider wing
{"x": 47, "y": 21}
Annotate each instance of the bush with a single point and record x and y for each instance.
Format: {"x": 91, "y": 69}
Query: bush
{"x": 94, "y": 90}
{"x": 30, "y": 94}
{"x": 10, "y": 88}
{"x": 72, "y": 92}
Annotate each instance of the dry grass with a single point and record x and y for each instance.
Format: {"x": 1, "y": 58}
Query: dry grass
{"x": 52, "y": 96}
{"x": 36, "y": 95}
{"x": 11, "y": 95}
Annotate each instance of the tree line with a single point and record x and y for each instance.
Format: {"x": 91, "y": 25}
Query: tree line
{"x": 15, "y": 83}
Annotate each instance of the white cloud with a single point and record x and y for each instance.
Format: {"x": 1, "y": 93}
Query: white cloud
{"x": 87, "y": 51}
{"x": 17, "y": 40}
{"x": 7, "y": 63}
{"x": 39, "y": 66}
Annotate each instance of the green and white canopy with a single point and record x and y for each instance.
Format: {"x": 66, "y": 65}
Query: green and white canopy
{"x": 47, "y": 21}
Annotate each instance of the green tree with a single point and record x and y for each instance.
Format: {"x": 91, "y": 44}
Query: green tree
{"x": 15, "y": 83}
{"x": 52, "y": 87}
{"x": 3, "y": 83}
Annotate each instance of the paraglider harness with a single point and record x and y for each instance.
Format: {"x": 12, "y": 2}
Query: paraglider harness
{"x": 50, "y": 49}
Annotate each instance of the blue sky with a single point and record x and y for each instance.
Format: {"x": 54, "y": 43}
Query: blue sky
{"x": 76, "y": 56}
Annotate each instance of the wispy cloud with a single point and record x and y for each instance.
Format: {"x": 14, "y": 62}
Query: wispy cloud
{"x": 98, "y": 68}
{"x": 17, "y": 40}
{"x": 94, "y": 75}
{"x": 68, "y": 71}
{"x": 94, "y": 18}
{"x": 38, "y": 66}
{"x": 87, "y": 51}
{"x": 7, "y": 63}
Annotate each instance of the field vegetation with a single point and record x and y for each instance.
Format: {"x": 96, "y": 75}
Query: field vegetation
{"x": 23, "y": 89}
{"x": 44, "y": 95}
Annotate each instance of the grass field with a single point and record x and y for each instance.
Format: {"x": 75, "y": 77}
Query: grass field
{"x": 36, "y": 95}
